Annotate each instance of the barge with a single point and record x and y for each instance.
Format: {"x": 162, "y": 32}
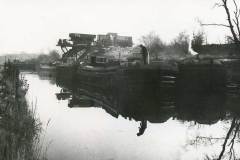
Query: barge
{"x": 202, "y": 75}
{"x": 107, "y": 62}
{"x": 110, "y": 61}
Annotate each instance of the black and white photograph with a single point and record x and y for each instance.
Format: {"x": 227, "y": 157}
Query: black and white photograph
{"x": 119, "y": 79}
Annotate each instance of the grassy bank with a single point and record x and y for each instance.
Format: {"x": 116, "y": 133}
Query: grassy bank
{"x": 19, "y": 127}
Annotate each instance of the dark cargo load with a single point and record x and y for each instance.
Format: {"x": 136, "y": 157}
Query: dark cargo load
{"x": 78, "y": 38}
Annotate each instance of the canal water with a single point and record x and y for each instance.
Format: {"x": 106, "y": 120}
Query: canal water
{"x": 91, "y": 131}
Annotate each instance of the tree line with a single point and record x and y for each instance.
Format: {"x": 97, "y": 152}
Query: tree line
{"x": 178, "y": 47}
{"x": 49, "y": 58}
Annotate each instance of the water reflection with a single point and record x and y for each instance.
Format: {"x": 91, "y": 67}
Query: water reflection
{"x": 158, "y": 104}
{"x": 201, "y": 108}
{"x": 154, "y": 104}
{"x": 162, "y": 116}
{"x": 142, "y": 127}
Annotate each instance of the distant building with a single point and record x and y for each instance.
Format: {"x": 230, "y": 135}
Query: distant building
{"x": 113, "y": 39}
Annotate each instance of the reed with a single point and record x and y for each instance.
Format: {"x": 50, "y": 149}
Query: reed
{"x": 20, "y": 128}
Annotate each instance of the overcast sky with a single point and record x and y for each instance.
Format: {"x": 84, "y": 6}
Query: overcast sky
{"x": 36, "y": 25}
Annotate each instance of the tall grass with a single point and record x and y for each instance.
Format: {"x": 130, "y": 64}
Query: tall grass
{"x": 20, "y": 128}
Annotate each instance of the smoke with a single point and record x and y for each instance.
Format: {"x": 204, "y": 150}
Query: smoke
{"x": 190, "y": 50}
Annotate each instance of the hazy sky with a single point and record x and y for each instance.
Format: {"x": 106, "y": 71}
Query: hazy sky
{"x": 36, "y": 25}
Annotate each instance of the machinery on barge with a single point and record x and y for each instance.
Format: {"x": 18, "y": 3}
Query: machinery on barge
{"x": 93, "y": 60}
{"x": 100, "y": 51}
{"x": 111, "y": 61}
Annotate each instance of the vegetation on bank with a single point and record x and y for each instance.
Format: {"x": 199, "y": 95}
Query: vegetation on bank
{"x": 19, "y": 126}
{"x": 179, "y": 47}
{"x": 31, "y": 60}
{"x": 19, "y": 56}
{"x": 49, "y": 58}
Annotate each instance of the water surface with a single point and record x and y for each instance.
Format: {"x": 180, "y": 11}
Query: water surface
{"x": 93, "y": 132}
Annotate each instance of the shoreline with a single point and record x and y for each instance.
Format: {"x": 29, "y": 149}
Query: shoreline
{"x": 19, "y": 126}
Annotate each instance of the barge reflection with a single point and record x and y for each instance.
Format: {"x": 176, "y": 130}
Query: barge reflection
{"x": 173, "y": 119}
{"x": 155, "y": 104}
{"x": 159, "y": 101}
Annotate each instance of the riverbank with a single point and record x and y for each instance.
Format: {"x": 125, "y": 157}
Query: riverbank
{"x": 19, "y": 126}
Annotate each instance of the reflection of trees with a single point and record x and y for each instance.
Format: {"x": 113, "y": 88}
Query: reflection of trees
{"x": 232, "y": 137}
{"x": 232, "y": 133}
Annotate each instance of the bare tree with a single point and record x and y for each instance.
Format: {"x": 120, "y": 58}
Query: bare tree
{"x": 198, "y": 41}
{"x": 54, "y": 55}
{"x": 233, "y": 22}
{"x": 153, "y": 43}
{"x": 181, "y": 43}
{"x": 234, "y": 131}
{"x": 232, "y": 136}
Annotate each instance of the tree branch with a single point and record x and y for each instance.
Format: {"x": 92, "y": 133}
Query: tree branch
{"x": 236, "y": 20}
{"x": 228, "y": 135}
{"x": 215, "y": 24}
{"x": 225, "y": 5}
{"x": 231, "y": 144}
{"x": 218, "y": 5}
